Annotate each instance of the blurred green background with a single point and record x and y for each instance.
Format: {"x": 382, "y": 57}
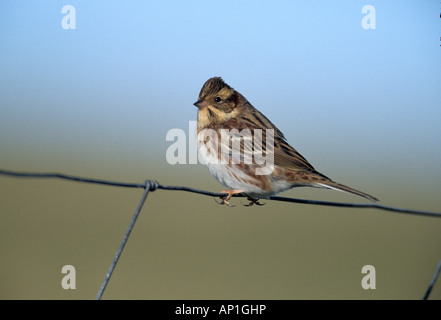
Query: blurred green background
{"x": 363, "y": 106}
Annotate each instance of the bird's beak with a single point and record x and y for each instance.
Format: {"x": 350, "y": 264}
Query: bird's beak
{"x": 201, "y": 104}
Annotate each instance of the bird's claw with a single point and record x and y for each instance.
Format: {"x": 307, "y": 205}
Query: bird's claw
{"x": 229, "y": 193}
{"x": 224, "y": 201}
{"x": 252, "y": 202}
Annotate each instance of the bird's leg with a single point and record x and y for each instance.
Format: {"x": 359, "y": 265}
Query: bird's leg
{"x": 253, "y": 201}
{"x": 225, "y": 199}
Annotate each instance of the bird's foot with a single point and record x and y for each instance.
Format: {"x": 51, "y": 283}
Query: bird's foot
{"x": 253, "y": 201}
{"x": 225, "y": 199}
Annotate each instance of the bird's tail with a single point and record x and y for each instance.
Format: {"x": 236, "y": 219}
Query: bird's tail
{"x": 341, "y": 187}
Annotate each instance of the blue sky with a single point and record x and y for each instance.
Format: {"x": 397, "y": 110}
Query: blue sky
{"x": 131, "y": 70}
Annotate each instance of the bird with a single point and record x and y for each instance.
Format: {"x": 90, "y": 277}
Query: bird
{"x": 223, "y": 115}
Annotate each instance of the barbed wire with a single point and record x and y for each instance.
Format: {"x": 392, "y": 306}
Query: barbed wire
{"x": 156, "y": 185}
{"x": 152, "y": 185}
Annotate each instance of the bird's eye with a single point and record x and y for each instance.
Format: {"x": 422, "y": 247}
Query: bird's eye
{"x": 218, "y": 99}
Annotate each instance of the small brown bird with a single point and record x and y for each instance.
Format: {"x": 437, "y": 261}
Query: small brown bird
{"x": 225, "y": 116}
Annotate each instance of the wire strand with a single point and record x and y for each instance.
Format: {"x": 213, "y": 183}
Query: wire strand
{"x": 432, "y": 282}
{"x": 124, "y": 240}
{"x": 150, "y": 185}
{"x": 217, "y": 194}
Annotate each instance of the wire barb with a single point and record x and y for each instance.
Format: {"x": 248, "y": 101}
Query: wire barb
{"x": 152, "y": 185}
